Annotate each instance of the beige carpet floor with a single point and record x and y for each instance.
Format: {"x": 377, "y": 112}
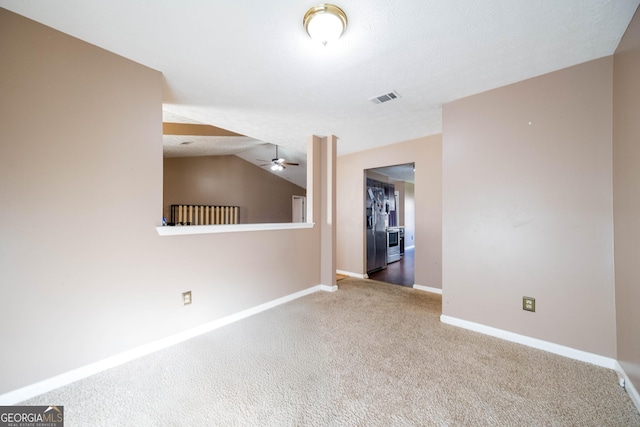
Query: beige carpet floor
{"x": 371, "y": 354}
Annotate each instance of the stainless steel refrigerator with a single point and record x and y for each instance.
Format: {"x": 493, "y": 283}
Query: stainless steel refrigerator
{"x": 376, "y": 212}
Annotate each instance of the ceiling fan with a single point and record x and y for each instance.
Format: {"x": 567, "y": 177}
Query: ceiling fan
{"x": 277, "y": 163}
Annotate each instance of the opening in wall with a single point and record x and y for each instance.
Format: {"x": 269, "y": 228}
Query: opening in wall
{"x": 212, "y": 176}
{"x": 390, "y": 222}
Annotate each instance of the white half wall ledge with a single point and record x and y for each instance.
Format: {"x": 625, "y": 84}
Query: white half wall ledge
{"x": 230, "y": 228}
{"x": 428, "y": 289}
{"x": 561, "y": 350}
{"x": 27, "y": 392}
{"x": 351, "y": 274}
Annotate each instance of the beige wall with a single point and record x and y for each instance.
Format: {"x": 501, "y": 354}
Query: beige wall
{"x": 84, "y": 273}
{"x": 626, "y": 197}
{"x": 399, "y": 188}
{"x": 229, "y": 180}
{"x": 426, "y": 153}
{"x": 527, "y": 208}
{"x": 326, "y": 220}
{"x": 409, "y": 214}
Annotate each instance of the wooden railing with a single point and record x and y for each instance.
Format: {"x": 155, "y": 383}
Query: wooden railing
{"x": 204, "y": 215}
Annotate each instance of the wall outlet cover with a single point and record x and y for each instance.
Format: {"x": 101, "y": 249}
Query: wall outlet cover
{"x": 529, "y": 304}
{"x": 186, "y": 298}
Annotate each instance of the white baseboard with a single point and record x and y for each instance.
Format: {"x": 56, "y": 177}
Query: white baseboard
{"x": 628, "y": 386}
{"x": 350, "y": 274}
{"x": 428, "y": 289}
{"x": 595, "y": 359}
{"x": 27, "y": 392}
{"x": 583, "y": 356}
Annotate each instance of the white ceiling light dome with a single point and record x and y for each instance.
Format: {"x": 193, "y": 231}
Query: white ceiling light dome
{"x": 325, "y": 23}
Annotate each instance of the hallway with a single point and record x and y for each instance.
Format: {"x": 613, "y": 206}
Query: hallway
{"x": 399, "y": 272}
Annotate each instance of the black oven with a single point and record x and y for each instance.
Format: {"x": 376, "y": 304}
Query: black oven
{"x": 393, "y": 237}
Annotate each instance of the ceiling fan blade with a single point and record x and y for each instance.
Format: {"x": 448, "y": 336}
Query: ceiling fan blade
{"x": 266, "y": 164}
{"x": 260, "y": 160}
{"x": 291, "y": 164}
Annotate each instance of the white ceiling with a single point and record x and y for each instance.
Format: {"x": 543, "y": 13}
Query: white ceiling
{"x": 404, "y": 172}
{"x": 266, "y": 152}
{"x": 249, "y": 67}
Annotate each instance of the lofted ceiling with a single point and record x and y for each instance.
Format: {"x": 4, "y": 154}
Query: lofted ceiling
{"x": 249, "y": 67}
{"x": 249, "y": 149}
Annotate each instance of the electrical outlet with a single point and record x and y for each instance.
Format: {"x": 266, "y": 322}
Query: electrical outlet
{"x": 186, "y": 298}
{"x": 621, "y": 381}
{"x": 529, "y": 304}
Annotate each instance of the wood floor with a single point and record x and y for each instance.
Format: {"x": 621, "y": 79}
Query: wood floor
{"x": 399, "y": 272}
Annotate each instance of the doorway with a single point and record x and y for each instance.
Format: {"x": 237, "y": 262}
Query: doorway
{"x": 390, "y": 223}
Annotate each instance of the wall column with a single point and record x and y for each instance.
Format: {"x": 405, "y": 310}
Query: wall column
{"x": 321, "y": 201}
{"x": 328, "y": 211}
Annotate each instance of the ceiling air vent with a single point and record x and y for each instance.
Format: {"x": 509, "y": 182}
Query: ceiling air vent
{"x": 384, "y": 98}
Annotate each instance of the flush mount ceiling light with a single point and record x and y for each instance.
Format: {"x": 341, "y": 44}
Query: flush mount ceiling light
{"x": 325, "y": 22}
